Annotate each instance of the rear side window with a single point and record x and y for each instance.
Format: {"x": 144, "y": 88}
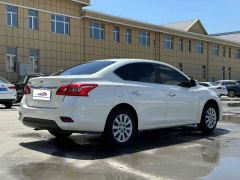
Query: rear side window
{"x": 171, "y": 77}
{"x": 85, "y": 69}
{"x": 142, "y": 72}
{"x": 122, "y": 72}
{"x": 233, "y": 83}
{"x": 213, "y": 84}
{"x": 3, "y": 81}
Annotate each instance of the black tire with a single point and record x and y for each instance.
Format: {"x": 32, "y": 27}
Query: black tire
{"x": 59, "y": 134}
{"x": 231, "y": 93}
{"x": 205, "y": 126}
{"x": 8, "y": 105}
{"x": 122, "y": 132}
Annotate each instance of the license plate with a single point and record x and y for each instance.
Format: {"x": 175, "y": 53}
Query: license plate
{"x": 3, "y": 89}
{"x": 42, "y": 95}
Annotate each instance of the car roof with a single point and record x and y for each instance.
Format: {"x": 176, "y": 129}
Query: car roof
{"x": 226, "y": 80}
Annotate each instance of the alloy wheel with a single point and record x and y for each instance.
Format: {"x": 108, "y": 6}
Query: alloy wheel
{"x": 231, "y": 94}
{"x": 122, "y": 128}
{"x": 211, "y": 118}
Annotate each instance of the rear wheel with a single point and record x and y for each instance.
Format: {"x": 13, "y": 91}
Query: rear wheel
{"x": 59, "y": 134}
{"x": 120, "y": 128}
{"x": 231, "y": 94}
{"x": 209, "y": 118}
{"x": 8, "y": 105}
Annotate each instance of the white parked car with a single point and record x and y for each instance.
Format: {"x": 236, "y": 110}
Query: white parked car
{"x": 8, "y": 93}
{"x": 117, "y": 98}
{"x": 220, "y": 90}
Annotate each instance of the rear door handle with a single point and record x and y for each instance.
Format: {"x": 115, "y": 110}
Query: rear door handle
{"x": 137, "y": 93}
{"x": 171, "y": 94}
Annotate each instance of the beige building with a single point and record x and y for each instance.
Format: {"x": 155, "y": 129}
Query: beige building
{"x": 49, "y": 35}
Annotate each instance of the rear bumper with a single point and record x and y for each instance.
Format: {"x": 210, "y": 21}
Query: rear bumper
{"x": 86, "y": 116}
{"x": 4, "y": 101}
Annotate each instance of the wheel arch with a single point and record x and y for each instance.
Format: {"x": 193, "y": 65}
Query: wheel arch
{"x": 129, "y": 108}
{"x": 212, "y": 101}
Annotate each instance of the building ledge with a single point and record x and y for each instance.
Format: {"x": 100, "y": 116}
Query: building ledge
{"x": 82, "y": 2}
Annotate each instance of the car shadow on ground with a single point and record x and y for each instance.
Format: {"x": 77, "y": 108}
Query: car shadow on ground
{"x": 90, "y": 147}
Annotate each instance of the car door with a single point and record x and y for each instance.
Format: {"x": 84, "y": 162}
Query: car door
{"x": 183, "y": 104}
{"x": 147, "y": 93}
{"x": 4, "y": 90}
{"x": 20, "y": 86}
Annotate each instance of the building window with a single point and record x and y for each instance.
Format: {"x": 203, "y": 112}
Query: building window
{"x": 96, "y": 31}
{"x": 229, "y": 73}
{"x": 188, "y": 46}
{"x": 32, "y": 19}
{"x": 180, "y": 66}
{"x": 229, "y": 52}
{"x": 236, "y": 53}
{"x": 116, "y": 34}
{"x": 199, "y": 47}
{"x": 223, "y": 51}
{"x": 223, "y": 72}
{"x": 11, "y": 59}
{"x": 143, "y": 38}
{"x": 128, "y": 36}
{"x": 33, "y": 56}
{"x": 168, "y": 42}
{"x": 215, "y": 50}
{"x": 11, "y": 16}
{"x": 204, "y": 72}
{"x": 180, "y": 45}
{"x": 60, "y": 24}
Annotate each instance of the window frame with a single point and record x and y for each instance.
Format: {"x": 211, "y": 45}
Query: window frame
{"x": 141, "y": 36}
{"x": 223, "y": 73}
{"x": 189, "y": 46}
{"x": 215, "y": 48}
{"x": 168, "y": 39}
{"x": 64, "y": 23}
{"x": 199, "y": 46}
{"x": 11, "y": 60}
{"x": 32, "y": 17}
{"x": 180, "y": 44}
{"x": 229, "y": 52}
{"x": 11, "y": 13}
{"x": 128, "y": 36}
{"x": 223, "y": 51}
{"x": 180, "y": 67}
{"x": 229, "y": 73}
{"x": 100, "y": 29}
{"x": 203, "y": 71}
{"x": 236, "y": 53}
{"x": 116, "y": 34}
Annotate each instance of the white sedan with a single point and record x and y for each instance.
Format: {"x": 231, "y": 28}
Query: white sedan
{"x": 117, "y": 98}
{"x": 8, "y": 93}
{"x": 220, "y": 90}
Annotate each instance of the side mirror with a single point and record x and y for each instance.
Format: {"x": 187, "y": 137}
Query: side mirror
{"x": 193, "y": 82}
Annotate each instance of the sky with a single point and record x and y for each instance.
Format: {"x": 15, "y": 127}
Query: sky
{"x": 217, "y": 16}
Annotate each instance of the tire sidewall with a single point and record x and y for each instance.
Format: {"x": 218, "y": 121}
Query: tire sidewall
{"x": 203, "y": 123}
{"x": 108, "y": 134}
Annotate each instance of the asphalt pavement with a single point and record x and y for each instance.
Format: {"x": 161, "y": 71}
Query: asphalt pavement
{"x": 173, "y": 153}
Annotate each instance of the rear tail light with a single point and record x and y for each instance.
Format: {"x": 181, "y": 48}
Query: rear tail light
{"x": 13, "y": 87}
{"x": 76, "y": 89}
{"x": 27, "y": 89}
{"x": 219, "y": 88}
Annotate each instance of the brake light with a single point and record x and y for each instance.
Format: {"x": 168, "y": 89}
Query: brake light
{"x": 13, "y": 87}
{"x": 219, "y": 88}
{"x": 76, "y": 89}
{"x": 27, "y": 89}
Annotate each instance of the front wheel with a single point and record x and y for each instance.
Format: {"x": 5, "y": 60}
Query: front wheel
{"x": 8, "y": 105}
{"x": 120, "y": 128}
{"x": 209, "y": 118}
{"x": 231, "y": 94}
{"x": 59, "y": 134}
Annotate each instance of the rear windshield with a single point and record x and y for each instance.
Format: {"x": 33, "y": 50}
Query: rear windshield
{"x": 3, "y": 81}
{"x": 85, "y": 69}
{"x": 213, "y": 84}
